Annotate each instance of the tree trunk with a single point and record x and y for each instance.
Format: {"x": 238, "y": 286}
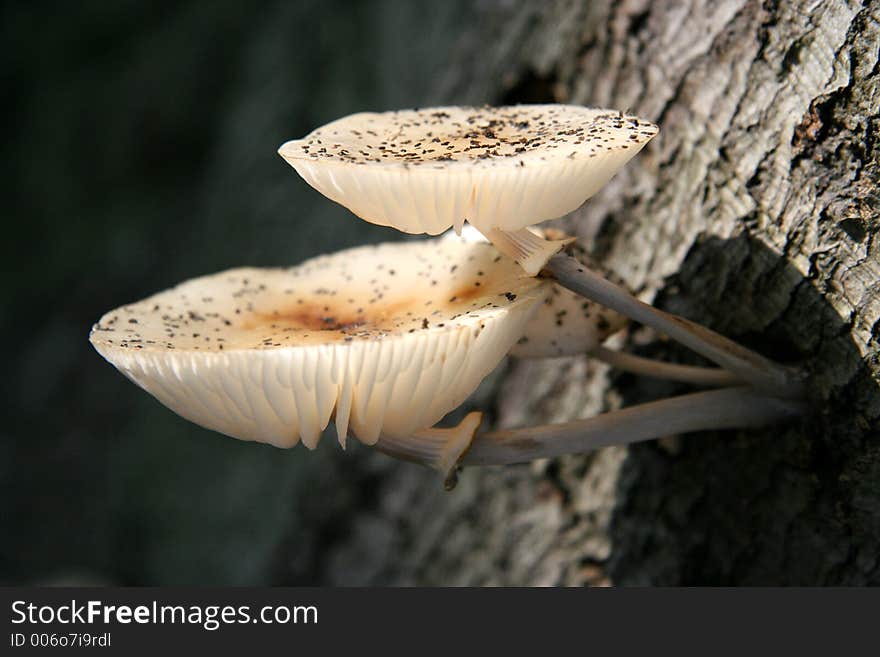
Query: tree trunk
{"x": 754, "y": 212}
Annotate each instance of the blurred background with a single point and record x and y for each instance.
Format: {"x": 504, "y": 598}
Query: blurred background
{"x": 140, "y": 150}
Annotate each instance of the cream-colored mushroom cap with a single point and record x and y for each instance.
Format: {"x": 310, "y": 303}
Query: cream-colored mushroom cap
{"x": 565, "y": 323}
{"x": 385, "y": 339}
{"x": 499, "y": 168}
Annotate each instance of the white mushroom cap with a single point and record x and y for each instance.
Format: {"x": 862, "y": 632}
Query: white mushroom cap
{"x": 499, "y": 168}
{"x": 387, "y": 339}
{"x": 565, "y": 324}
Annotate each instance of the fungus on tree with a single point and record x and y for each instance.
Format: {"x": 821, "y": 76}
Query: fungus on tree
{"x": 502, "y": 169}
{"x": 386, "y": 340}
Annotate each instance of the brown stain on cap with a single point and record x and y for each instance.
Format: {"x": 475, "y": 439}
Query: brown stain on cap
{"x": 329, "y": 315}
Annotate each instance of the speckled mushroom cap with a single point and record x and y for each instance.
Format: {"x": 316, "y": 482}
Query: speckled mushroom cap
{"x": 387, "y": 339}
{"x": 565, "y": 324}
{"x": 499, "y": 168}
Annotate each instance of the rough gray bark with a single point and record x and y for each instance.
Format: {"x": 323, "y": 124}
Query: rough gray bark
{"x": 755, "y": 212}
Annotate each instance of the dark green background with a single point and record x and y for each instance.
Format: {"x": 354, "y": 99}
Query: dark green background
{"x": 139, "y": 150}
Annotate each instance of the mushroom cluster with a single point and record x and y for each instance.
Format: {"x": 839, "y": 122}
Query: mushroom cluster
{"x": 386, "y": 340}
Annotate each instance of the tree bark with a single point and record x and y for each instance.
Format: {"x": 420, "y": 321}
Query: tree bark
{"x": 754, "y": 212}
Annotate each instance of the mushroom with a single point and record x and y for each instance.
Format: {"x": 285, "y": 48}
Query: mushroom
{"x": 502, "y": 169}
{"x": 386, "y": 339}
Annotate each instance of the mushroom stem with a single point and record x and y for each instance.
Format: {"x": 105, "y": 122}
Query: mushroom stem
{"x": 530, "y": 251}
{"x": 437, "y": 447}
{"x": 769, "y": 377}
{"x": 705, "y": 376}
{"x": 727, "y": 408}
